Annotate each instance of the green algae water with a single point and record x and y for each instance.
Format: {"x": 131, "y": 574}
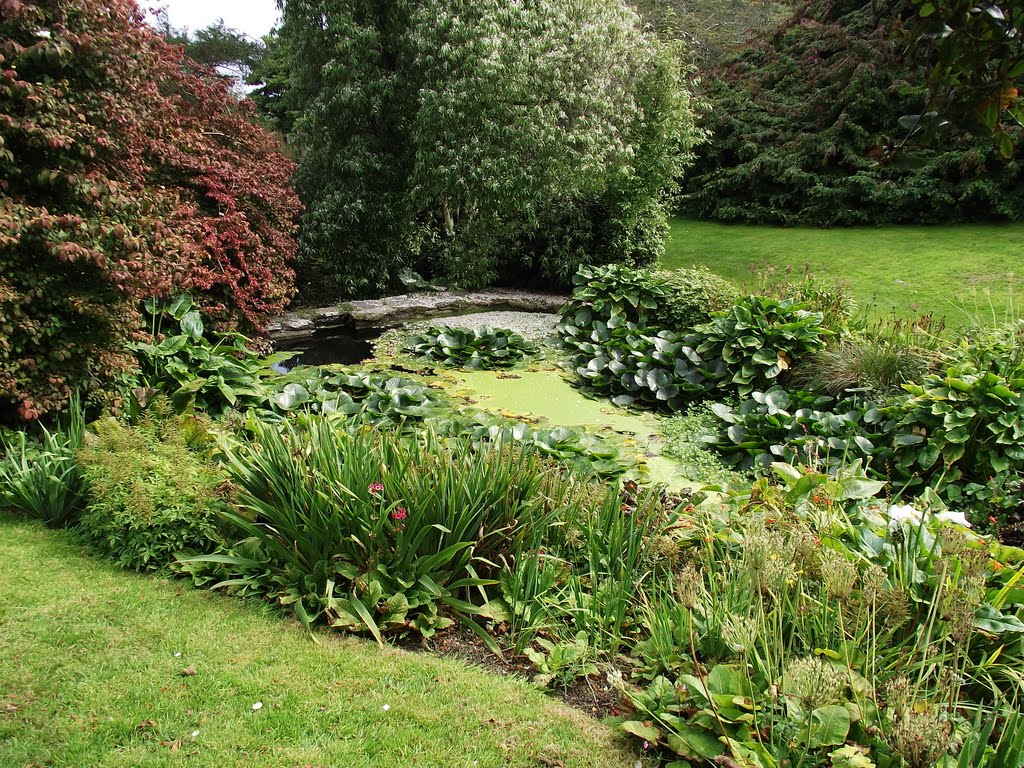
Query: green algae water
{"x": 545, "y": 396}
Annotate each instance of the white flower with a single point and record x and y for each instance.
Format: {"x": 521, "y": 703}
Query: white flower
{"x": 257, "y": 705}
{"x": 957, "y": 518}
{"x": 386, "y": 707}
{"x": 43, "y": 33}
{"x": 904, "y": 513}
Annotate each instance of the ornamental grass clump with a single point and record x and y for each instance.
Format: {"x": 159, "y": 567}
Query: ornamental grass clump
{"x": 372, "y": 531}
{"x": 41, "y": 478}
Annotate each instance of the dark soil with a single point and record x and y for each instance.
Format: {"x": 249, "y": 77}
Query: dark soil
{"x": 593, "y": 695}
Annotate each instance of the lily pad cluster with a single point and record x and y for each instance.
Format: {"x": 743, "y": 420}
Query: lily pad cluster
{"x": 480, "y": 348}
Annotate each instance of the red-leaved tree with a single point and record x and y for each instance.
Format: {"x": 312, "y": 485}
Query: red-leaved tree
{"x": 124, "y": 173}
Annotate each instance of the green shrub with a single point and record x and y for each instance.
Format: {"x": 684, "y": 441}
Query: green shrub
{"x": 996, "y": 349}
{"x": 693, "y": 295}
{"x": 609, "y": 328}
{"x": 759, "y": 340}
{"x": 476, "y": 349}
{"x": 620, "y": 327}
{"x": 673, "y": 300}
{"x": 634, "y": 366}
{"x": 586, "y": 453}
{"x": 149, "y": 497}
{"x": 42, "y": 478}
{"x": 800, "y": 428}
{"x": 227, "y": 375}
{"x": 456, "y": 141}
{"x": 962, "y": 434}
{"x": 805, "y": 125}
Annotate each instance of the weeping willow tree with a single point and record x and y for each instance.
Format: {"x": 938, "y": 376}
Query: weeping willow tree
{"x": 480, "y": 141}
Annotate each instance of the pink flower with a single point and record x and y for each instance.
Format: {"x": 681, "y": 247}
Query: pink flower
{"x": 375, "y": 488}
{"x": 398, "y": 514}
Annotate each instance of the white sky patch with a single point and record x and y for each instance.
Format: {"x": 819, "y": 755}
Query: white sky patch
{"x": 253, "y": 17}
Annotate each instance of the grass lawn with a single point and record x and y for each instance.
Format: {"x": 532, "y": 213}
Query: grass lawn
{"x": 959, "y": 272}
{"x": 90, "y": 676}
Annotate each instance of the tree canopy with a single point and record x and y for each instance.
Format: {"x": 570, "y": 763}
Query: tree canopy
{"x": 471, "y": 140}
{"x": 124, "y": 175}
{"x": 810, "y": 125}
{"x": 973, "y": 53}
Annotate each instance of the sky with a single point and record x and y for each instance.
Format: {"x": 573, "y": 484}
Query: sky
{"x": 253, "y": 17}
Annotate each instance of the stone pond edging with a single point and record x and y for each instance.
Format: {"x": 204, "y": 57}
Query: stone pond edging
{"x": 391, "y": 311}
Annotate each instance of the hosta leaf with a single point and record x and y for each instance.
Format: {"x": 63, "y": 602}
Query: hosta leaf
{"x": 192, "y": 325}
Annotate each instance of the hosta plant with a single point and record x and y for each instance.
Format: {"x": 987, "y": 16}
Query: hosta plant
{"x": 800, "y": 428}
{"x": 477, "y": 348}
{"x": 665, "y": 300}
{"x": 759, "y": 340}
{"x": 963, "y": 435}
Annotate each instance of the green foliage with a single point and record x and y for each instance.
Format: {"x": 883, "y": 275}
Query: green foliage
{"x": 636, "y": 366}
{"x": 691, "y": 297}
{"x": 975, "y": 66}
{"x": 995, "y": 349}
{"x": 274, "y": 96}
{"x": 620, "y": 328}
{"x": 610, "y": 328}
{"x": 558, "y": 664}
{"x": 962, "y": 434}
{"x": 193, "y": 371}
{"x": 806, "y": 130}
{"x": 673, "y": 300}
{"x": 218, "y": 47}
{"x": 800, "y": 428}
{"x": 480, "y": 348}
{"x": 42, "y": 478}
{"x": 150, "y": 497}
{"x": 808, "y": 624}
{"x": 473, "y": 141}
{"x": 759, "y": 339}
{"x": 370, "y": 531}
{"x": 370, "y": 398}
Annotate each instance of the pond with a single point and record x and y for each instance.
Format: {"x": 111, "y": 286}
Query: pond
{"x": 540, "y": 394}
{"x": 342, "y": 347}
